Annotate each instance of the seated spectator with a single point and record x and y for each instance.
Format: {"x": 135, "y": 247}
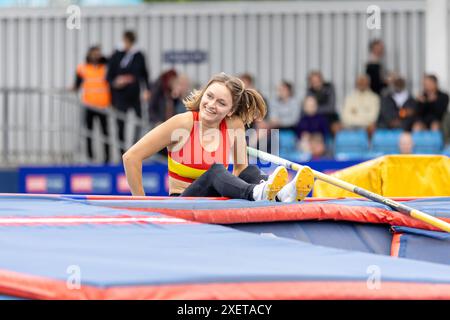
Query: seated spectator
{"x": 362, "y": 107}
{"x": 431, "y": 105}
{"x": 311, "y": 121}
{"x": 446, "y": 128}
{"x": 181, "y": 88}
{"x": 398, "y": 108}
{"x": 312, "y": 144}
{"x": 317, "y": 146}
{"x": 248, "y": 80}
{"x": 406, "y": 143}
{"x": 374, "y": 67}
{"x": 389, "y": 83}
{"x": 325, "y": 96}
{"x": 159, "y": 107}
{"x": 285, "y": 110}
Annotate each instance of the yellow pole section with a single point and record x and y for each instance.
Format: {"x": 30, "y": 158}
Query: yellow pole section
{"x": 414, "y": 213}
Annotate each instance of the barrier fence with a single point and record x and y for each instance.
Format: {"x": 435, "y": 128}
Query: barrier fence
{"x": 48, "y": 127}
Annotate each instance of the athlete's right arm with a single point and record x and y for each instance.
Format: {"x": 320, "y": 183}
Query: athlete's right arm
{"x": 154, "y": 141}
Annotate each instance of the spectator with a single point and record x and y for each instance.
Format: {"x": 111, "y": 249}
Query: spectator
{"x": 248, "y": 80}
{"x": 160, "y": 107}
{"x": 398, "y": 108}
{"x": 431, "y": 105}
{"x": 95, "y": 97}
{"x": 406, "y": 143}
{"x": 325, "y": 96}
{"x": 389, "y": 83}
{"x": 127, "y": 71}
{"x": 285, "y": 109}
{"x": 446, "y": 128}
{"x": 312, "y": 144}
{"x": 318, "y": 149}
{"x": 311, "y": 121}
{"x": 374, "y": 67}
{"x": 312, "y": 129}
{"x": 362, "y": 107}
{"x": 182, "y": 87}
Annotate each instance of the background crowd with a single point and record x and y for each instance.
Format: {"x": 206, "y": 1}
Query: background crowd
{"x": 310, "y": 120}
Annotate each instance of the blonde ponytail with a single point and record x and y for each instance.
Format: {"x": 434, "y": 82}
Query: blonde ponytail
{"x": 251, "y": 106}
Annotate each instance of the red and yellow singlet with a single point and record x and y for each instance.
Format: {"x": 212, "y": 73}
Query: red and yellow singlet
{"x": 190, "y": 161}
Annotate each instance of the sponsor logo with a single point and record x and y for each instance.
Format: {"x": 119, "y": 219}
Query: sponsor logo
{"x": 86, "y": 183}
{"x": 150, "y": 181}
{"x": 53, "y": 183}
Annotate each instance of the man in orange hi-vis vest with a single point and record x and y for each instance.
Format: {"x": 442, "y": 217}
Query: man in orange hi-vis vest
{"x": 95, "y": 96}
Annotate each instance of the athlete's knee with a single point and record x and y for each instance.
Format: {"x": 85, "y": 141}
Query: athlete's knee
{"x": 250, "y": 169}
{"x": 213, "y": 171}
{"x": 217, "y": 168}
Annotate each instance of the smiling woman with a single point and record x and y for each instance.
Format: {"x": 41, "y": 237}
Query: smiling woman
{"x": 200, "y": 142}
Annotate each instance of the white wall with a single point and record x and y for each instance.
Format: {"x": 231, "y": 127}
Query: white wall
{"x": 436, "y": 27}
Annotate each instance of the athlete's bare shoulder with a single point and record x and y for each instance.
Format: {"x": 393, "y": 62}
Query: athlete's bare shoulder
{"x": 179, "y": 128}
{"x": 183, "y": 120}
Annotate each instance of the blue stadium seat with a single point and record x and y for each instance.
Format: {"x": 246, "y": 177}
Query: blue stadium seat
{"x": 385, "y": 141}
{"x": 428, "y": 142}
{"x": 446, "y": 151}
{"x": 288, "y": 147}
{"x": 288, "y": 144}
{"x": 351, "y": 144}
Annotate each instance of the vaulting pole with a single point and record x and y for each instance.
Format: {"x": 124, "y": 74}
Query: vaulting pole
{"x": 406, "y": 210}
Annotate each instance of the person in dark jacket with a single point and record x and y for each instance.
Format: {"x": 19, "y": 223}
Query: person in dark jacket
{"x": 312, "y": 122}
{"x": 127, "y": 72}
{"x": 312, "y": 129}
{"x": 431, "y": 105}
{"x": 325, "y": 97}
{"x": 374, "y": 67}
{"x": 398, "y": 108}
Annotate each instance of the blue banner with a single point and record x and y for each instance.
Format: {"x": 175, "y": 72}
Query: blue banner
{"x": 111, "y": 180}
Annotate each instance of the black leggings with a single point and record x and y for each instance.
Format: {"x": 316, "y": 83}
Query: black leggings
{"x": 219, "y": 182}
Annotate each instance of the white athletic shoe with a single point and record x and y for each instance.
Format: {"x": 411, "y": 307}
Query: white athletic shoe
{"x": 267, "y": 190}
{"x": 299, "y": 187}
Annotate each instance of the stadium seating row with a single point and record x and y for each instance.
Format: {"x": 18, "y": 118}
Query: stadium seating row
{"x": 355, "y": 144}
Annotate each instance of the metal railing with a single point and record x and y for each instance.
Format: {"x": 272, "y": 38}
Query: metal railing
{"x": 40, "y": 126}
